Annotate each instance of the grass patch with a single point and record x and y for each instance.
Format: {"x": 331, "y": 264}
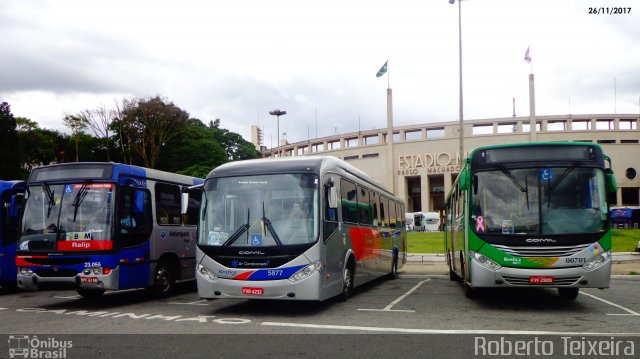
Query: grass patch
{"x": 624, "y": 240}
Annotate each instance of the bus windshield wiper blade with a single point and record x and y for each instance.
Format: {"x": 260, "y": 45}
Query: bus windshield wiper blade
{"x": 238, "y": 232}
{"x": 564, "y": 174}
{"x": 270, "y": 228}
{"x": 82, "y": 193}
{"x": 50, "y": 197}
{"x": 514, "y": 180}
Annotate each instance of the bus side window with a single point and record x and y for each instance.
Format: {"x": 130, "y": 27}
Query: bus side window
{"x": 349, "y": 201}
{"x": 135, "y": 216}
{"x": 168, "y": 204}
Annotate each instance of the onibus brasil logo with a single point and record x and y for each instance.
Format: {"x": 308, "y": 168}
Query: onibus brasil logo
{"x": 25, "y": 346}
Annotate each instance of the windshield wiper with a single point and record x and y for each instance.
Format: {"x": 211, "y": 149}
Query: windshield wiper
{"x": 238, "y": 232}
{"x": 82, "y": 193}
{"x": 270, "y": 228}
{"x": 50, "y": 197}
{"x": 514, "y": 180}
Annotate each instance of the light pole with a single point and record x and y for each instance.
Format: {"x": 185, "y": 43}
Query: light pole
{"x": 278, "y": 113}
{"x": 460, "y": 75}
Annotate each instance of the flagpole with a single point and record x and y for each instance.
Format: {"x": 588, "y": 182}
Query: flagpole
{"x": 388, "y": 75}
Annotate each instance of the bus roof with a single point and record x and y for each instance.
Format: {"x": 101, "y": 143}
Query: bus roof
{"x": 116, "y": 170}
{"x": 531, "y": 144}
{"x": 298, "y": 164}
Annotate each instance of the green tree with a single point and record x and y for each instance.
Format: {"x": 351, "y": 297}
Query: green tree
{"x": 150, "y": 125}
{"x": 76, "y": 124}
{"x": 10, "y": 160}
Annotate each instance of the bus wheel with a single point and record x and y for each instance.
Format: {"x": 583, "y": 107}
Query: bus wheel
{"x": 394, "y": 268}
{"x": 452, "y": 275}
{"x": 470, "y": 292}
{"x": 90, "y": 293}
{"x": 165, "y": 280}
{"x": 347, "y": 283}
{"x": 568, "y": 293}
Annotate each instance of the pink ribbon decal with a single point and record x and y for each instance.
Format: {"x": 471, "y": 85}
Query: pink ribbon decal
{"x": 480, "y": 224}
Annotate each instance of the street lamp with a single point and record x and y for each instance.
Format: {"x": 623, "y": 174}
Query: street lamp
{"x": 460, "y": 74}
{"x": 278, "y": 113}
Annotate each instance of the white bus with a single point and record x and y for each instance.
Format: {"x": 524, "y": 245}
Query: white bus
{"x": 307, "y": 228}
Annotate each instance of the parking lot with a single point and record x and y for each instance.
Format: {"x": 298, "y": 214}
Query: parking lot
{"x": 413, "y": 304}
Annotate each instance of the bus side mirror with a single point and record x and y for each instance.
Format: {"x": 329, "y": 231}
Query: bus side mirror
{"x": 184, "y": 204}
{"x": 465, "y": 180}
{"x": 610, "y": 179}
{"x": 333, "y": 197}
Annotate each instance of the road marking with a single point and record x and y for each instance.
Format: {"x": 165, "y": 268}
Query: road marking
{"x": 68, "y": 297}
{"x": 444, "y": 331}
{"x": 3, "y": 308}
{"x": 197, "y": 302}
{"x": 631, "y": 312}
{"x": 388, "y": 307}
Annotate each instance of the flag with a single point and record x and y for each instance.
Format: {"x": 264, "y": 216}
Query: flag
{"x": 527, "y": 56}
{"x": 383, "y": 70}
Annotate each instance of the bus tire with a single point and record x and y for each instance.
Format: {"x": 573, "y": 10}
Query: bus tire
{"x": 164, "y": 283}
{"x": 568, "y": 293}
{"x": 452, "y": 275}
{"x": 470, "y": 292}
{"x": 347, "y": 282}
{"x": 90, "y": 293}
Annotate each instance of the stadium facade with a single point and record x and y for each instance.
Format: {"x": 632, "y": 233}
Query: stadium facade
{"x": 421, "y": 162}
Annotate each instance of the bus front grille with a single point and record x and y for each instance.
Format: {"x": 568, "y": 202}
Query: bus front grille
{"x": 48, "y": 272}
{"x": 513, "y": 280}
{"x": 540, "y": 251}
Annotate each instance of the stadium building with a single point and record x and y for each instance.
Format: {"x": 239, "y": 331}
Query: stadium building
{"x": 420, "y": 162}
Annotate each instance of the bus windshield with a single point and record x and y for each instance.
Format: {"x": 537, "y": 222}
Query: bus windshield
{"x": 539, "y": 201}
{"x": 57, "y": 215}
{"x": 255, "y": 211}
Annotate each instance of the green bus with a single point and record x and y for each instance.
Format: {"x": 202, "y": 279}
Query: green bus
{"x": 531, "y": 215}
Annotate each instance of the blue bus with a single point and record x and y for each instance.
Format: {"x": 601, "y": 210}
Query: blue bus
{"x": 106, "y": 226}
{"x": 11, "y": 194}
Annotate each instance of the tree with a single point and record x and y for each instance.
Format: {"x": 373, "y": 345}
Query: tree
{"x": 99, "y": 120}
{"x": 151, "y": 124}
{"x": 76, "y": 124}
{"x": 10, "y": 161}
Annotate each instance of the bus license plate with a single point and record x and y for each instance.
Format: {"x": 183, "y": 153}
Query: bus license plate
{"x": 89, "y": 279}
{"x": 541, "y": 279}
{"x": 252, "y": 291}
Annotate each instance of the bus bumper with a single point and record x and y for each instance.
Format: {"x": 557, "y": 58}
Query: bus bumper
{"x": 284, "y": 289}
{"x": 576, "y": 277}
{"x": 34, "y": 281}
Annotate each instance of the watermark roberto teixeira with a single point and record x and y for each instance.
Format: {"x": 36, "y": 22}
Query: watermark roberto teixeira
{"x": 569, "y": 346}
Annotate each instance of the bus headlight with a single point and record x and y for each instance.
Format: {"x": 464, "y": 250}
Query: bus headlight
{"x": 597, "y": 261}
{"x": 305, "y": 272}
{"x": 206, "y": 273}
{"x": 485, "y": 261}
{"x": 25, "y": 271}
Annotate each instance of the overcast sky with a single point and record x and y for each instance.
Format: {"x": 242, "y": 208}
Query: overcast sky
{"x": 238, "y": 59}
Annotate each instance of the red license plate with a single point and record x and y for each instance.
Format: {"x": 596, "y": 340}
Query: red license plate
{"x": 89, "y": 279}
{"x": 252, "y": 291}
{"x": 541, "y": 279}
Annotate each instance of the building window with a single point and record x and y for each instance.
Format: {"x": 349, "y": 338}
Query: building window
{"x": 556, "y": 126}
{"x": 507, "y": 128}
{"x": 371, "y": 140}
{"x": 435, "y": 133}
{"x": 606, "y": 141}
{"x": 413, "y": 135}
{"x": 347, "y": 158}
{"x": 603, "y": 125}
{"x": 629, "y": 141}
{"x": 581, "y": 125}
{"x": 482, "y": 129}
{"x": 351, "y": 142}
{"x": 370, "y": 155}
{"x": 628, "y": 125}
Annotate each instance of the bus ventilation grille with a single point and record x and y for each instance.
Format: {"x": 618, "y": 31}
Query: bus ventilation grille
{"x": 540, "y": 251}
